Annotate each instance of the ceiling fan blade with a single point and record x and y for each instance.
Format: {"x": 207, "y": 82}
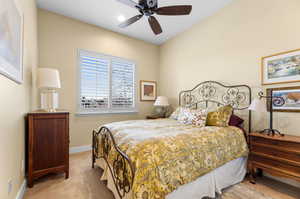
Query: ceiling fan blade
{"x": 156, "y": 28}
{"x": 174, "y": 10}
{"x": 130, "y": 21}
{"x": 130, "y": 3}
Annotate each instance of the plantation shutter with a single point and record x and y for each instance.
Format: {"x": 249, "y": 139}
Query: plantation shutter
{"x": 107, "y": 84}
{"x": 94, "y": 75}
{"x": 122, "y": 84}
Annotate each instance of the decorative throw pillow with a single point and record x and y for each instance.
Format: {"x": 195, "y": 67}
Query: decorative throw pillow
{"x": 235, "y": 121}
{"x": 176, "y": 113}
{"x": 193, "y": 116}
{"x": 199, "y": 118}
{"x": 219, "y": 117}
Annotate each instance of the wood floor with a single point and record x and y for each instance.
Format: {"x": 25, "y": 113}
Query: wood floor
{"x": 84, "y": 183}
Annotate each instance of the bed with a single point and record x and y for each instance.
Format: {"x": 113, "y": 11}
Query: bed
{"x": 151, "y": 159}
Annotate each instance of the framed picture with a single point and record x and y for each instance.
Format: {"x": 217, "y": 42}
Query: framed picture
{"x": 281, "y": 68}
{"x": 11, "y": 40}
{"x": 148, "y": 90}
{"x": 291, "y": 95}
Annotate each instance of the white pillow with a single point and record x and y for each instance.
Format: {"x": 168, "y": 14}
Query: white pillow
{"x": 185, "y": 116}
{"x": 176, "y": 113}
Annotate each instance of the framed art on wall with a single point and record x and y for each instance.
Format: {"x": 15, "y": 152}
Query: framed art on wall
{"x": 281, "y": 68}
{"x": 147, "y": 90}
{"x": 11, "y": 40}
{"x": 291, "y": 96}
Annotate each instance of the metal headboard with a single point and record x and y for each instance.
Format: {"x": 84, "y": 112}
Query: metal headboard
{"x": 212, "y": 93}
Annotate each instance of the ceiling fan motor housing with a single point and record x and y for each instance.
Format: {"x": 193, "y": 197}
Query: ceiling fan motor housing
{"x": 148, "y": 3}
{"x": 152, "y": 3}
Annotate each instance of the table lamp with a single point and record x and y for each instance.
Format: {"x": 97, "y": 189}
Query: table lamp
{"x": 161, "y": 103}
{"x": 48, "y": 81}
{"x": 259, "y": 106}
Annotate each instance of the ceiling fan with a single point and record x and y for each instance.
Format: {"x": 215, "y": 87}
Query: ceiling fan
{"x": 148, "y": 8}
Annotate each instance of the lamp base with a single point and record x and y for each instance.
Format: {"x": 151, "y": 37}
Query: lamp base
{"x": 271, "y": 132}
{"x": 160, "y": 111}
{"x": 49, "y": 100}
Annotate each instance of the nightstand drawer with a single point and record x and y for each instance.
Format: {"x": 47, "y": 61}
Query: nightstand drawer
{"x": 287, "y": 145}
{"x": 279, "y": 154}
{"x": 276, "y": 165}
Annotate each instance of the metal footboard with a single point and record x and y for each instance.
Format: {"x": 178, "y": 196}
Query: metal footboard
{"x": 121, "y": 167}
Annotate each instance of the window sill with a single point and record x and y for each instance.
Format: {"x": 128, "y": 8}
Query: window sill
{"x": 83, "y": 113}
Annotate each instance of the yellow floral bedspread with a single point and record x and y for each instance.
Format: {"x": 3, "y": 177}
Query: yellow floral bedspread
{"x": 167, "y": 154}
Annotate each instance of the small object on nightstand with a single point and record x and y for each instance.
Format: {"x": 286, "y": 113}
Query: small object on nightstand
{"x": 276, "y": 155}
{"x": 47, "y": 144}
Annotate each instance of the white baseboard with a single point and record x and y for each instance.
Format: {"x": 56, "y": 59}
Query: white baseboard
{"x": 78, "y": 149}
{"x": 22, "y": 190}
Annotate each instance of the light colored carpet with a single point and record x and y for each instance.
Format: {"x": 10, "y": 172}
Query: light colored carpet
{"x": 84, "y": 183}
{"x": 243, "y": 191}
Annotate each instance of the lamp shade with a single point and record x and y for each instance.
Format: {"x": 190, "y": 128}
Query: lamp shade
{"x": 161, "y": 101}
{"x": 48, "y": 78}
{"x": 257, "y": 105}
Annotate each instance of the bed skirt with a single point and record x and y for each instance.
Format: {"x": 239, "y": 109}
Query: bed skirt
{"x": 207, "y": 185}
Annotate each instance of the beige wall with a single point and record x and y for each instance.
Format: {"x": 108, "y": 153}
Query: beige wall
{"x": 227, "y": 47}
{"x": 15, "y": 103}
{"x": 59, "y": 38}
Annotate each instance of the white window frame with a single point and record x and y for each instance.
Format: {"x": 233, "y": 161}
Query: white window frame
{"x": 109, "y": 110}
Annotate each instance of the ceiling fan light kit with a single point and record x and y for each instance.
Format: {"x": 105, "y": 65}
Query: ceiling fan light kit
{"x": 150, "y": 7}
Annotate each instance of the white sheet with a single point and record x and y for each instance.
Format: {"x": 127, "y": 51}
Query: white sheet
{"x": 208, "y": 185}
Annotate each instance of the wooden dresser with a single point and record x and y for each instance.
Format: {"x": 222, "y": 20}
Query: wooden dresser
{"x": 276, "y": 155}
{"x": 47, "y": 144}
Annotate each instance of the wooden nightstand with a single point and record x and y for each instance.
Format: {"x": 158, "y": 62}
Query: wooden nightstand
{"x": 276, "y": 155}
{"x": 153, "y": 117}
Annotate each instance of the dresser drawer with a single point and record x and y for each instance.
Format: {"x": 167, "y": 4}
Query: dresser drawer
{"x": 276, "y": 165}
{"x": 293, "y": 146}
{"x": 277, "y": 153}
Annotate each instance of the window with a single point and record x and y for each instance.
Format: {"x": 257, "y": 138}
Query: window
{"x": 107, "y": 84}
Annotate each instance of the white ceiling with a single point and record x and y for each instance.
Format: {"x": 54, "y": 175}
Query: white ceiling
{"x": 105, "y": 13}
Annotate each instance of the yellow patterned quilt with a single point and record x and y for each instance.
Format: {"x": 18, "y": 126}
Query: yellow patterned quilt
{"x": 168, "y": 154}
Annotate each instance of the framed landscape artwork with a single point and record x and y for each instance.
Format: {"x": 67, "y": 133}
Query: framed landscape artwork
{"x": 281, "y": 68}
{"x": 147, "y": 90}
{"x": 11, "y": 40}
{"x": 291, "y": 96}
